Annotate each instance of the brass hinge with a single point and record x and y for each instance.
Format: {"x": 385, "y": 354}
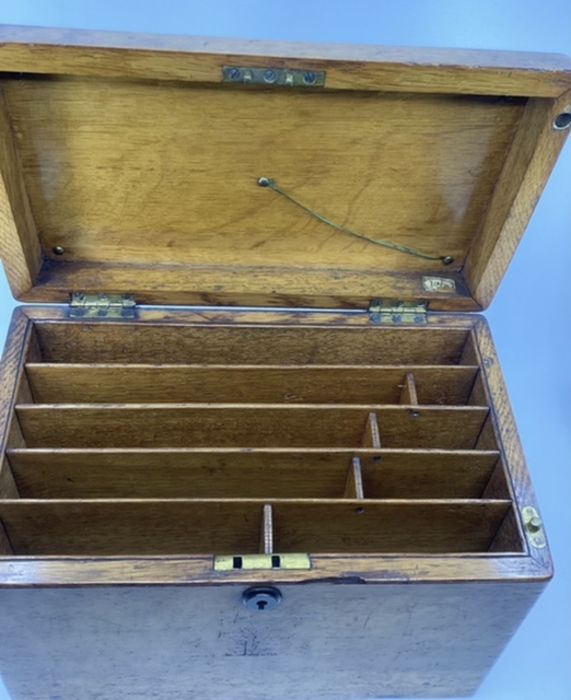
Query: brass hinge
{"x": 396, "y": 313}
{"x": 112, "y": 306}
{"x": 261, "y": 562}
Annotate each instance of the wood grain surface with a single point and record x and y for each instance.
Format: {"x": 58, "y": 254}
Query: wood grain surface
{"x": 175, "y": 526}
{"x": 273, "y": 473}
{"x": 390, "y": 455}
{"x": 349, "y": 66}
{"x": 426, "y": 186}
{"x": 128, "y": 383}
{"x": 225, "y": 342}
{"x": 19, "y": 241}
{"x": 423, "y": 151}
{"x": 246, "y": 425}
{"x": 437, "y": 641}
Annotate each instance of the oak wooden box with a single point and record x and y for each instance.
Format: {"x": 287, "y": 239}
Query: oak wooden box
{"x": 347, "y": 440}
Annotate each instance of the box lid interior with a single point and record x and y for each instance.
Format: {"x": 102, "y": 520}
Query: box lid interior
{"x": 130, "y": 164}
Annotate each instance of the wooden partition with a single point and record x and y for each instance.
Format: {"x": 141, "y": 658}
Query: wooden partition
{"x": 133, "y": 439}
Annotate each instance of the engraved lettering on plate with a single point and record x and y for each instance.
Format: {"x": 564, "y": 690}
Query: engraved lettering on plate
{"x": 438, "y": 284}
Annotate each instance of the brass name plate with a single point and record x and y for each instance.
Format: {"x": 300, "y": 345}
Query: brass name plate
{"x": 261, "y": 562}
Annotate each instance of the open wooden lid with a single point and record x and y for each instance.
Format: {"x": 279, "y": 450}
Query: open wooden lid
{"x": 130, "y": 164}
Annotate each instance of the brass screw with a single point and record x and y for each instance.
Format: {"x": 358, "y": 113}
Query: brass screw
{"x": 534, "y": 524}
{"x": 59, "y": 250}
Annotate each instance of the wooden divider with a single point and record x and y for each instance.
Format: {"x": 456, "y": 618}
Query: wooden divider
{"x": 85, "y": 383}
{"x": 54, "y": 473}
{"x": 354, "y": 485}
{"x": 409, "y": 393}
{"x": 267, "y": 530}
{"x": 252, "y": 439}
{"x": 159, "y": 527}
{"x": 271, "y": 425}
{"x": 164, "y": 343}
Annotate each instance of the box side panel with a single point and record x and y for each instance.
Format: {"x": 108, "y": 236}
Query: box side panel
{"x": 507, "y": 436}
{"x": 323, "y": 641}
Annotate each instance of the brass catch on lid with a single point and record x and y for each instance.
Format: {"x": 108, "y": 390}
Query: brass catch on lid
{"x": 273, "y": 77}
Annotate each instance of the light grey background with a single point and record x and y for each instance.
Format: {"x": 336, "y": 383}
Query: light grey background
{"x": 530, "y": 316}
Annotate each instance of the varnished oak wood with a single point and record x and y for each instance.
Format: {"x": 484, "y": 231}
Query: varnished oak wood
{"x": 128, "y": 383}
{"x": 228, "y": 222}
{"x": 110, "y": 536}
{"x": 506, "y": 431}
{"x": 69, "y": 118}
{"x": 272, "y": 472}
{"x": 199, "y": 59}
{"x": 198, "y": 570}
{"x": 372, "y": 434}
{"x": 19, "y": 242}
{"x": 214, "y": 316}
{"x": 354, "y": 483}
{"x": 437, "y": 639}
{"x": 246, "y": 425}
{"x": 262, "y": 339}
{"x": 531, "y": 158}
{"x": 176, "y": 526}
{"x": 267, "y": 530}
{"x": 11, "y": 376}
{"x": 194, "y": 285}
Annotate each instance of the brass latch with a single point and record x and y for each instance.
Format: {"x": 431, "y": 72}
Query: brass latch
{"x": 396, "y": 313}
{"x": 261, "y": 562}
{"x": 533, "y": 527}
{"x": 113, "y": 306}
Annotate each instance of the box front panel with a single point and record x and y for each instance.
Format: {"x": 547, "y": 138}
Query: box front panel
{"x": 332, "y": 642}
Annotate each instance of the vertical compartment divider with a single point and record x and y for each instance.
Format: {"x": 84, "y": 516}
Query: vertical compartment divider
{"x": 267, "y": 530}
{"x": 408, "y": 393}
{"x": 372, "y": 436}
{"x": 354, "y": 484}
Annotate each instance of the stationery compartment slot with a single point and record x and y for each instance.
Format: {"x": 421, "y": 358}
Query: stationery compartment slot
{"x": 134, "y": 343}
{"x": 392, "y": 527}
{"x": 227, "y": 425}
{"x": 182, "y": 527}
{"x": 252, "y": 439}
{"x": 340, "y": 384}
{"x": 258, "y": 473}
{"x": 122, "y": 528}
